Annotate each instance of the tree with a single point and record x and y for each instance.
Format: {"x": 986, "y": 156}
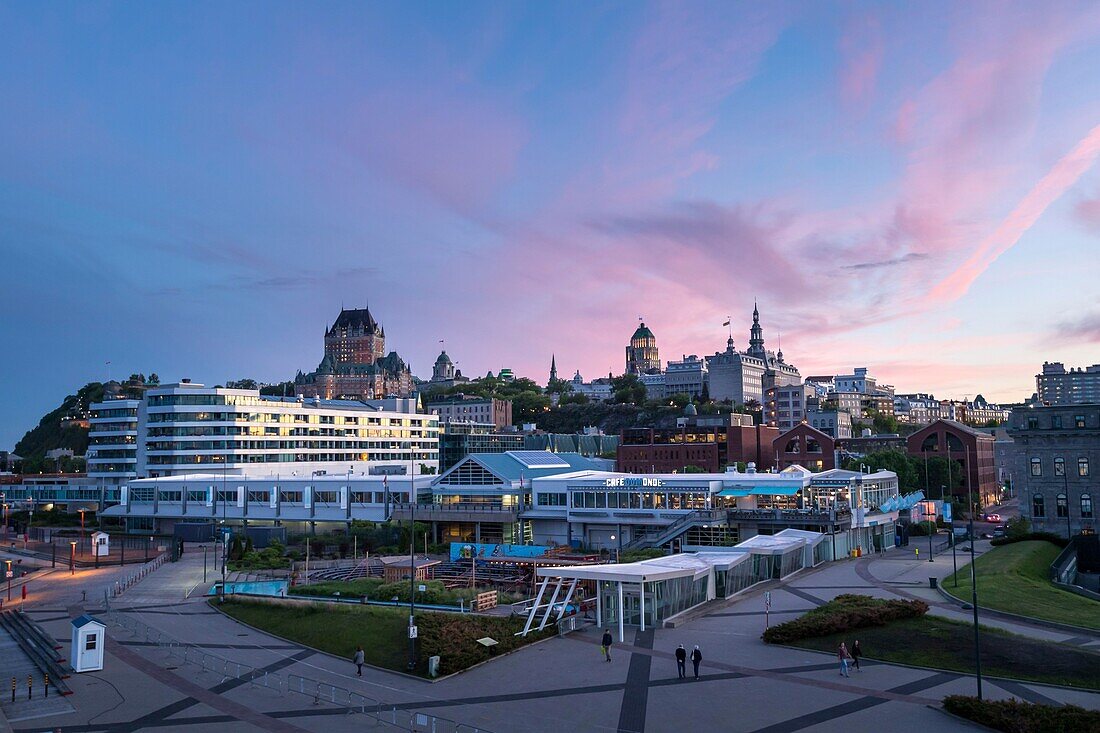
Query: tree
{"x": 891, "y": 460}
{"x": 680, "y": 399}
{"x": 529, "y": 406}
{"x": 628, "y": 389}
{"x": 693, "y": 469}
{"x": 558, "y": 386}
{"x": 154, "y": 379}
{"x": 574, "y": 399}
{"x": 242, "y": 384}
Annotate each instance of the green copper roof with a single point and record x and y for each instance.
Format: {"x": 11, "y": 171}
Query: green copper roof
{"x": 643, "y": 332}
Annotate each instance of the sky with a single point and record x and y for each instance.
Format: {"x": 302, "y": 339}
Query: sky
{"x": 195, "y": 189}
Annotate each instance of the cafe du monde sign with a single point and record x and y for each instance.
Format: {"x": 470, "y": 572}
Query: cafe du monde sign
{"x": 639, "y": 482}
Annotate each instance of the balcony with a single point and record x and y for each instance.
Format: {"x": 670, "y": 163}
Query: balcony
{"x": 790, "y": 516}
{"x": 456, "y": 512}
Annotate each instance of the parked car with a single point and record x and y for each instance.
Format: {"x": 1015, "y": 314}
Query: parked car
{"x": 999, "y": 532}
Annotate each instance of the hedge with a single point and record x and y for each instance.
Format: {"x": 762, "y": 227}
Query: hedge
{"x": 1046, "y": 536}
{"x": 1013, "y": 716}
{"x": 845, "y": 612}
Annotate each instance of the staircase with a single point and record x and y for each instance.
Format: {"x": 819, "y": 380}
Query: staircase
{"x": 39, "y": 647}
{"x": 677, "y": 528}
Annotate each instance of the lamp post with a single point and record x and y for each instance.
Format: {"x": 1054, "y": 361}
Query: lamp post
{"x": 204, "y": 563}
{"x": 928, "y": 497}
{"x": 412, "y": 561}
{"x": 8, "y": 574}
{"x": 1065, "y": 489}
{"x": 72, "y": 557}
{"x": 616, "y": 554}
{"x": 81, "y": 512}
{"x": 973, "y": 581}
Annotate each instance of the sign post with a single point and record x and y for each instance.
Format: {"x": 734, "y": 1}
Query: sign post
{"x": 767, "y": 609}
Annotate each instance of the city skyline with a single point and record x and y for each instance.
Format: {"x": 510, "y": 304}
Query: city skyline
{"x": 911, "y": 189}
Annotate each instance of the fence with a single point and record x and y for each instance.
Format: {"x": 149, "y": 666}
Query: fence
{"x": 119, "y": 587}
{"x": 391, "y": 715}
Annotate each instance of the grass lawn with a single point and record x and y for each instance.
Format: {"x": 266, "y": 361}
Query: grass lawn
{"x": 1013, "y": 578}
{"x": 337, "y": 629}
{"x": 930, "y": 641}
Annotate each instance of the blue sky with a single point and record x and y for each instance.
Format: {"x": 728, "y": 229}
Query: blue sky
{"x": 195, "y": 189}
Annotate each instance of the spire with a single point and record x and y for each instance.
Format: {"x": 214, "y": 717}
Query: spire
{"x": 756, "y": 335}
{"x": 553, "y": 367}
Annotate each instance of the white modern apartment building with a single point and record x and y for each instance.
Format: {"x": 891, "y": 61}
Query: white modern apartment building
{"x": 188, "y": 428}
{"x": 113, "y": 441}
{"x": 1058, "y": 386}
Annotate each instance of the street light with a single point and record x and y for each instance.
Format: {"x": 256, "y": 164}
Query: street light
{"x": 204, "y": 563}
{"x": 974, "y": 580}
{"x": 72, "y": 557}
{"x": 7, "y": 574}
{"x": 81, "y": 512}
{"x": 412, "y": 561}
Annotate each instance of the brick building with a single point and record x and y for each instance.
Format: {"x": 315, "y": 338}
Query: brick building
{"x": 805, "y": 446}
{"x": 971, "y": 450}
{"x": 709, "y": 447}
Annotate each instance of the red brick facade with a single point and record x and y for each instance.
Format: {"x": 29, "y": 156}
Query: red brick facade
{"x": 804, "y": 446}
{"x": 970, "y": 449}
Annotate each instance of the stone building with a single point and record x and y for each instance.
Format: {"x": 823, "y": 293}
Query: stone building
{"x": 641, "y": 352}
{"x": 1053, "y": 461}
{"x": 354, "y": 365}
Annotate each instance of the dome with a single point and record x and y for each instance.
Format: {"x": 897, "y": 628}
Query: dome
{"x": 691, "y": 410}
{"x": 442, "y": 358}
{"x": 643, "y": 332}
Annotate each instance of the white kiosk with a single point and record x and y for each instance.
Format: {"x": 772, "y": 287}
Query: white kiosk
{"x": 101, "y": 544}
{"x": 88, "y": 640}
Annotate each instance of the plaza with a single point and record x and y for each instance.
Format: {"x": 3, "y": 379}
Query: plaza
{"x": 175, "y": 663}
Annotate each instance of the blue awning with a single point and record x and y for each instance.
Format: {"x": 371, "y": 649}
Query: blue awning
{"x": 775, "y": 490}
{"x": 735, "y": 492}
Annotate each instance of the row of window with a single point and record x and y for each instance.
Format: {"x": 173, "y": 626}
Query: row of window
{"x": 640, "y": 500}
{"x": 1056, "y": 422}
{"x": 1061, "y": 506}
{"x": 1059, "y": 466}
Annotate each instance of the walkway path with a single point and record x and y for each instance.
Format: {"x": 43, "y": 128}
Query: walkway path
{"x": 561, "y": 684}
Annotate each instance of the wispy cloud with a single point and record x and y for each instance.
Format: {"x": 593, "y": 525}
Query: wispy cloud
{"x": 1085, "y": 327}
{"x": 911, "y": 257}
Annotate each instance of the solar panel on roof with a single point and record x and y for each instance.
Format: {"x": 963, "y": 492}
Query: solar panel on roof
{"x": 538, "y": 459}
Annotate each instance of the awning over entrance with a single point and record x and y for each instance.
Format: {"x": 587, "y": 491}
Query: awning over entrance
{"x": 735, "y": 492}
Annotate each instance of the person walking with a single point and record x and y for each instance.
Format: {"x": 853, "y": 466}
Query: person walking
{"x": 696, "y": 657}
{"x": 358, "y": 660}
{"x": 605, "y": 644}
{"x": 856, "y": 654}
{"x": 681, "y": 661}
{"x": 843, "y": 656}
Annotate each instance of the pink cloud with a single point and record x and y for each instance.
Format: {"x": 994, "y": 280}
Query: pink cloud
{"x": 455, "y": 143}
{"x": 1065, "y": 173}
{"x": 861, "y": 52}
{"x": 1088, "y": 211}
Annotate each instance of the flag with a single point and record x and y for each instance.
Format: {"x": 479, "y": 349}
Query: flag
{"x": 726, "y": 323}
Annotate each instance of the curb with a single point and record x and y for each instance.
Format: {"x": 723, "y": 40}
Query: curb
{"x": 1007, "y": 616}
{"x": 949, "y": 671}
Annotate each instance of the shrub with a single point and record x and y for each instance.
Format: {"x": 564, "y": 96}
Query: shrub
{"x": 1045, "y": 536}
{"x": 844, "y": 613}
{"x": 454, "y": 638}
{"x": 1013, "y": 716}
{"x": 1017, "y": 527}
{"x": 922, "y": 529}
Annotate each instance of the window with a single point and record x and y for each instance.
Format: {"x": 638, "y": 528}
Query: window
{"x": 1079, "y": 421}
{"x": 1082, "y": 466}
{"x": 1038, "y": 507}
{"x": 90, "y": 642}
{"x": 1036, "y": 467}
{"x": 1086, "y": 506}
{"x": 1061, "y": 506}
{"x": 1059, "y": 466}
{"x": 1032, "y": 423}
{"x": 1056, "y": 421}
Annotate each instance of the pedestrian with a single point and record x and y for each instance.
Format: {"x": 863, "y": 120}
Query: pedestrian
{"x": 681, "y": 661}
{"x": 605, "y": 645}
{"x": 696, "y": 657}
{"x": 856, "y": 654}
{"x": 843, "y": 656}
{"x": 358, "y": 660}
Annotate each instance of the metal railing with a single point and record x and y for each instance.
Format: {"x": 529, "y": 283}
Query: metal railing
{"x": 392, "y": 715}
